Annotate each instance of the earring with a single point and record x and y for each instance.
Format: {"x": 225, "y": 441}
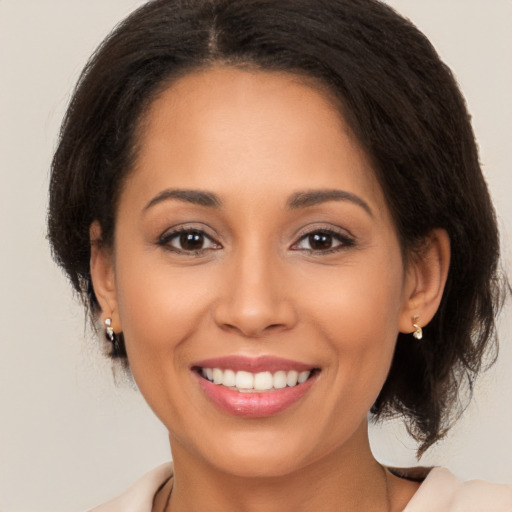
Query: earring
{"x": 111, "y": 335}
{"x": 114, "y": 338}
{"x": 418, "y": 333}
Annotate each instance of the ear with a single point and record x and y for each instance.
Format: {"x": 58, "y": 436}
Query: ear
{"x": 425, "y": 280}
{"x": 103, "y": 276}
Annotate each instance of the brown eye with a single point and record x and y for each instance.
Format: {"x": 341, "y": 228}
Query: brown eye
{"x": 188, "y": 241}
{"x": 323, "y": 241}
{"x": 320, "y": 241}
{"x": 191, "y": 241}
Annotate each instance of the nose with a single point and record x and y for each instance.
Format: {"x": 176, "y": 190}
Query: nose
{"x": 254, "y": 300}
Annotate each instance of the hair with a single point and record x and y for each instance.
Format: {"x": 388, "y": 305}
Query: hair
{"x": 401, "y": 102}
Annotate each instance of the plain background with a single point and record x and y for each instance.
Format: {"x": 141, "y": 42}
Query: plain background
{"x": 69, "y": 436}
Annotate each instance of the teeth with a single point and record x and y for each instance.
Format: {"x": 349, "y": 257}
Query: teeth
{"x": 280, "y": 380}
{"x": 292, "y": 377}
{"x": 218, "y": 376}
{"x": 244, "y": 380}
{"x": 229, "y": 378}
{"x": 303, "y": 377}
{"x": 263, "y": 381}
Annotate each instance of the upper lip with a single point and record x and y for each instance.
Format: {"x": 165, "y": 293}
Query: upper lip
{"x": 253, "y": 364}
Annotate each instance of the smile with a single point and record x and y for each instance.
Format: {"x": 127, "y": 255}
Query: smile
{"x": 254, "y": 387}
{"x": 248, "y": 382}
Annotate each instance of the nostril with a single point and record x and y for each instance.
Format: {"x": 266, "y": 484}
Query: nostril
{"x": 253, "y": 331}
{"x": 253, "y": 315}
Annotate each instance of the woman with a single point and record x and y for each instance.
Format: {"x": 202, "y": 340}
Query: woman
{"x": 270, "y": 206}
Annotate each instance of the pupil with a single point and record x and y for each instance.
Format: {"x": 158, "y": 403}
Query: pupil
{"x": 191, "y": 241}
{"x": 320, "y": 241}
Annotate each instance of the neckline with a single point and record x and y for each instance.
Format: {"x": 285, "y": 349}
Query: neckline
{"x": 414, "y": 474}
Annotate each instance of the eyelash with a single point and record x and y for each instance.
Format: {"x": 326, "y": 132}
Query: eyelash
{"x": 345, "y": 241}
{"x": 166, "y": 239}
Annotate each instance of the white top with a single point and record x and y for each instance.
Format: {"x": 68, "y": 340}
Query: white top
{"x": 441, "y": 491}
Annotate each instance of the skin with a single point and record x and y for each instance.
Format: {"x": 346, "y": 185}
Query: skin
{"x": 256, "y": 287}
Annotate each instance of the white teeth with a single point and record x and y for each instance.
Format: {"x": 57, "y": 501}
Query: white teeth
{"x": 262, "y": 381}
{"x": 303, "y": 377}
{"x": 280, "y": 380}
{"x": 291, "y": 378}
{"x": 218, "y": 376}
{"x": 229, "y": 378}
{"x": 244, "y": 380}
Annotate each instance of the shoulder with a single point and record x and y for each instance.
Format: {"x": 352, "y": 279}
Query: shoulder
{"x": 444, "y": 492}
{"x": 139, "y": 496}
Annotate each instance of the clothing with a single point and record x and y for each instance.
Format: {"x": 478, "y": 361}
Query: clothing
{"x": 441, "y": 491}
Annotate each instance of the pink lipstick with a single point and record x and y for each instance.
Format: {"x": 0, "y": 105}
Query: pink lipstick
{"x": 254, "y": 387}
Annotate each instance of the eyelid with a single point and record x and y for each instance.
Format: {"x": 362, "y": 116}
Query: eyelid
{"x": 341, "y": 235}
{"x": 169, "y": 234}
{"x": 345, "y": 238}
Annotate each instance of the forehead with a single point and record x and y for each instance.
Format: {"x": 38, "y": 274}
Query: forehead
{"x": 231, "y": 129}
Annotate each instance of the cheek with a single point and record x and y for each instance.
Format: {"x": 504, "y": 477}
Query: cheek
{"x": 155, "y": 308}
{"x": 362, "y": 300}
{"x": 160, "y": 308}
{"x": 358, "y": 314}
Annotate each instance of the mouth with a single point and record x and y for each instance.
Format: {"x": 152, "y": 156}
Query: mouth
{"x": 254, "y": 388}
{"x": 249, "y": 382}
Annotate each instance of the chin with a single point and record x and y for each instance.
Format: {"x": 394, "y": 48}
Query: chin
{"x": 258, "y": 453}
{"x": 260, "y": 464}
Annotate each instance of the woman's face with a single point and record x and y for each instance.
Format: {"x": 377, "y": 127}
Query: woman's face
{"x": 253, "y": 245}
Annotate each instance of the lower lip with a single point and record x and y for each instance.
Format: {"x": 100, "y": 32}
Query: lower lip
{"x": 254, "y": 404}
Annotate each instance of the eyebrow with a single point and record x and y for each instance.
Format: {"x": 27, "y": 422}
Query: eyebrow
{"x": 188, "y": 196}
{"x": 303, "y": 199}
{"x": 314, "y": 197}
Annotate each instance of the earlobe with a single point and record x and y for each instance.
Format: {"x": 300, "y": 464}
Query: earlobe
{"x": 425, "y": 282}
{"x": 103, "y": 276}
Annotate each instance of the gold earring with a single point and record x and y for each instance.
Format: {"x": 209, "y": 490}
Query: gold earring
{"x": 418, "y": 333}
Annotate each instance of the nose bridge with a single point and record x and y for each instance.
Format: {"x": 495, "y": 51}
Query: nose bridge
{"x": 254, "y": 299}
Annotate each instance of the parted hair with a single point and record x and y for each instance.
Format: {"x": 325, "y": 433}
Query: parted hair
{"x": 402, "y": 104}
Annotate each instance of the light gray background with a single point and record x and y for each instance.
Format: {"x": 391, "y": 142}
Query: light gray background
{"x": 69, "y": 437}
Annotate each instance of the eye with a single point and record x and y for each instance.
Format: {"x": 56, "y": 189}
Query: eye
{"x": 323, "y": 240}
{"x": 188, "y": 241}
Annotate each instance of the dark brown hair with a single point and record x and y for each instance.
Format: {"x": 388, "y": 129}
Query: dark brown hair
{"x": 401, "y": 102}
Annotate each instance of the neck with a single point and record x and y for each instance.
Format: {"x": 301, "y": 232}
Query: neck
{"x": 348, "y": 478}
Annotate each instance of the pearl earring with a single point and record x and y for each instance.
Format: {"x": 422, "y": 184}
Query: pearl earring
{"x": 418, "y": 333}
{"x": 111, "y": 335}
